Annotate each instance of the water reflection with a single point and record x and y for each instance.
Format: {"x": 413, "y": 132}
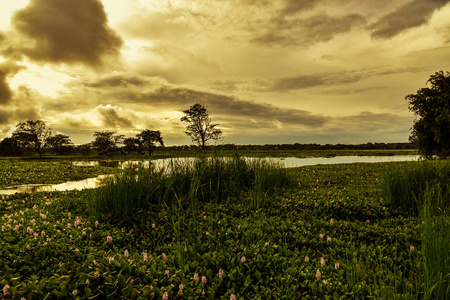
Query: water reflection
{"x": 288, "y": 162}
{"x": 89, "y": 183}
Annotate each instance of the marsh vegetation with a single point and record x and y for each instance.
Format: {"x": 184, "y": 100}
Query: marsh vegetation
{"x": 217, "y": 228}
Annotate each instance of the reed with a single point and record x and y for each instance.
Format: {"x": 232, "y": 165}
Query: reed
{"x": 405, "y": 184}
{"x": 214, "y": 179}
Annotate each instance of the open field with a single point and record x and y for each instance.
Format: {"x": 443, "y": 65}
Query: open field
{"x": 328, "y": 234}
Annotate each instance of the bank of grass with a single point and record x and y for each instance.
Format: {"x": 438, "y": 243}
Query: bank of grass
{"x": 329, "y": 236}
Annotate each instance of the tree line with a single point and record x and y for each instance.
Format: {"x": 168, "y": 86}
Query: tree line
{"x": 35, "y": 137}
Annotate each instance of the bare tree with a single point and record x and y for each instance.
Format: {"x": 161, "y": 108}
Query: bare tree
{"x": 32, "y": 133}
{"x": 199, "y": 126}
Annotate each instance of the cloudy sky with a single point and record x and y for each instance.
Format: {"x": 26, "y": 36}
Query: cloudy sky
{"x": 269, "y": 71}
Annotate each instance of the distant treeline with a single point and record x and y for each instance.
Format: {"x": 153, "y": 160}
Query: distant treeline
{"x": 299, "y": 147}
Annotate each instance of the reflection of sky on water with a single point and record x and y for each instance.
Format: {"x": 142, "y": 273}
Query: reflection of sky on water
{"x": 288, "y": 162}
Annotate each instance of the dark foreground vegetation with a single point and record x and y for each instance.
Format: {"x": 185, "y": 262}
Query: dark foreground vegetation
{"x": 231, "y": 229}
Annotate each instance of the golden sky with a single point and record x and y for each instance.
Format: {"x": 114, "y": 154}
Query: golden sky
{"x": 269, "y": 71}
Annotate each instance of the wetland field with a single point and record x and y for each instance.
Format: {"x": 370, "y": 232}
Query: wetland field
{"x": 228, "y": 229}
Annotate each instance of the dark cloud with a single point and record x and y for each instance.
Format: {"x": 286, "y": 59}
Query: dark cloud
{"x": 308, "y": 31}
{"x": 374, "y": 122}
{"x": 111, "y": 118}
{"x": 294, "y": 6}
{"x": 410, "y": 15}
{"x": 4, "y": 117}
{"x": 7, "y": 69}
{"x": 328, "y": 79}
{"x": 117, "y": 81}
{"x": 66, "y": 31}
{"x": 181, "y": 98}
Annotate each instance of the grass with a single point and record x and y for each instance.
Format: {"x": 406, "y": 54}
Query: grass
{"x": 329, "y": 235}
{"x": 406, "y": 184}
{"x": 213, "y": 179}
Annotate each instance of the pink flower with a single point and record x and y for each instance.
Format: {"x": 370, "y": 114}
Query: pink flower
{"x": 266, "y": 244}
{"x": 243, "y": 259}
{"x": 109, "y": 239}
{"x": 324, "y": 281}
{"x": 322, "y": 261}
{"x": 220, "y": 273}
{"x": 204, "y": 280}
{"x": 75, "y": 292}
{"x": 77, "y": 251}
{"x": 165, "y": 296}
{"x": 181, "y": 287}
{"x": 329, "y": 239}
{"x": 110, "y": 259}
{"x": 145, "y": 256}
{"x": 232, "y": 297}
{"x": 96, "y": 275}
{"x": 196, "y": 277}
{"x": 131, "y": 282}
{"x": 336, "y": 265}
{"x": 167, "y": 273}
{"x": 321, "y": 236}
{"x": 95, "y": 263}
{"x": 164, "y": 257}
{"x": 126, "y": 253}
{"x": 412, "y": 248}
{"x": 306, "y": 258}
{"x": 96, "y": 223}
{"x": 5, "y": 290}
{"x": 69, "y": 225}
{"x": 69, "y": 215}
{"x": 318, "y": 274}
{"x": 331, "y": 221}
{"x": 368, "y": 221}
{"x": 154, "y": 226}
{"x": 88, "y": 281}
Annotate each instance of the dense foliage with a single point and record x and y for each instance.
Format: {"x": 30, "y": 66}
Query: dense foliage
{"x": 431, "y": 130}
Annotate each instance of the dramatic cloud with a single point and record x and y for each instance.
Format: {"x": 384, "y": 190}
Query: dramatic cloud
{"x": 66, "y": 31}
{"x": 7, "y": 69}
{"x": 295, "y": 6}
{"x": 308, "y": 31}
{"x": 111, "y": 118}
{"x": 412, "y": 14}
{"x": 182, "y": 98}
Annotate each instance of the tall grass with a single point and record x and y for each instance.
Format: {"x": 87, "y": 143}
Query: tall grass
{"x": 423, "y": 189}
{"x": 217, "y": 179}
{"x": 405, "y": 184}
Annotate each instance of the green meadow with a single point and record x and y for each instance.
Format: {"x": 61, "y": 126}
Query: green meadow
{"x": 229, "y": 229}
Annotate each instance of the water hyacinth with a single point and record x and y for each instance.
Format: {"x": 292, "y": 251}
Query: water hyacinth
{"x": 6, "y": 290}
{"x": 322, "y": 261}
{"x": 126, "y": 253}
{"x": 204, "y": 280}
{"x": 232, "y": 297}
{"x": 318, "y": 274}
{"x": 165, "y": 296}
{"x": 109, "y": 239}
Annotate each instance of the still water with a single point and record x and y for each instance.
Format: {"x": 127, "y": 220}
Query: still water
{"x": 288, "y": 162}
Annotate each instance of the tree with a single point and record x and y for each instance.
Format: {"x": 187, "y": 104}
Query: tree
{"x": 10, "y": 147}
{"x": 32, "y": 133}
{"x": 148, "y": 138}
{"x": 106, "y": 142}
{"x": 60, "y": 143}
{"x": 431, "y": 106}
{"x": 199, "y": 126}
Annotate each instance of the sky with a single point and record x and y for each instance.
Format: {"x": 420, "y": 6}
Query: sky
{"x": 268, "y": 71}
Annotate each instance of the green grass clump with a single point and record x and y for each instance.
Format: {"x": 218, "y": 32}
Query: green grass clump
{"x": 405, "y": 184}
{"x": 215, "y": 179}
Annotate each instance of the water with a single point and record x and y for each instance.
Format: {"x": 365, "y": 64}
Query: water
{"x": 288, "y": 162}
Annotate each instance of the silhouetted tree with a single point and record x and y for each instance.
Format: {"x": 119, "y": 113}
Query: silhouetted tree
{"x": 148, "y": 138}
{"x": 10, "y": 147}
{"x": 60, "y": 143}
{"x": 431, "y": 129}
{"x": 132, "y": 145}
{"x": 106, "y": 142}
{"x": 199, "y": 126}
{"x": 32, "y": 133}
